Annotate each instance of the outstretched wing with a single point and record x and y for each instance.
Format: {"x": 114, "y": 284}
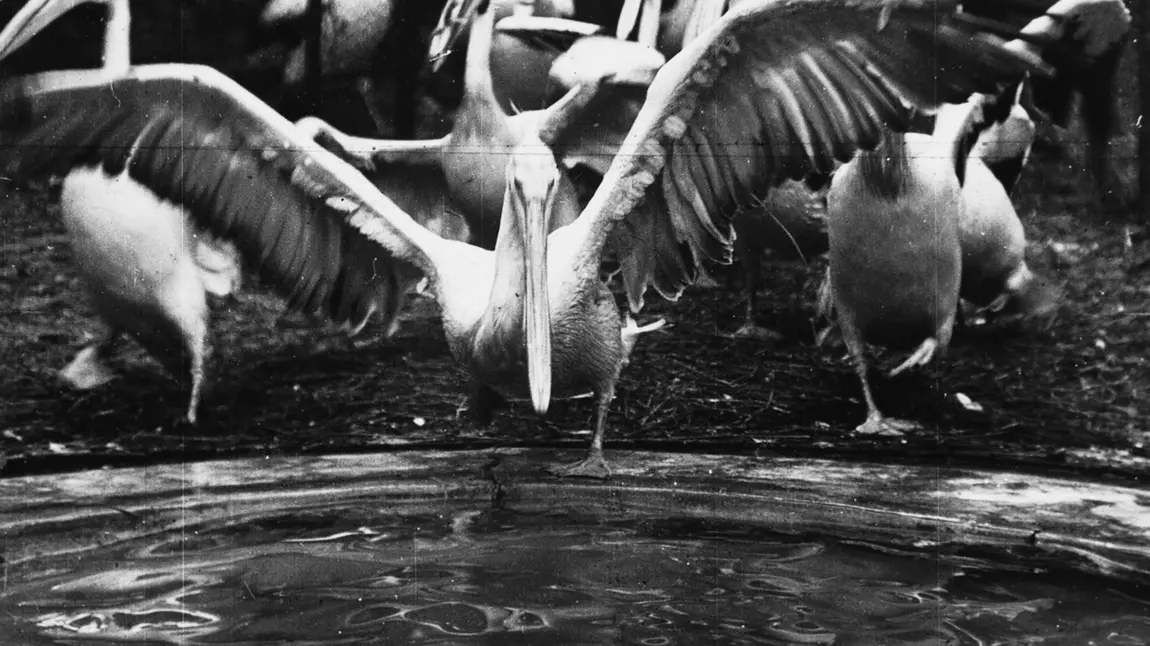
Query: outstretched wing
{"x": 316, "y": 231}
{"x": 607, "y": 81}
{"x": 776, "y": 89}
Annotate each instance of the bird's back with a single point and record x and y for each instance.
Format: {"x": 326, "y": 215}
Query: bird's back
{"x": 993, "y": 240}
{"x": 125, "y": 240}
{"x": 146, "y": 266}
{"x": 894, "y": 244}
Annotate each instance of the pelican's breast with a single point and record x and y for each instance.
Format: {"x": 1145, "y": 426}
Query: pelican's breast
{"x": 993, "y": 239}
{"x": 585, "y": 334}
{"x": 462, "y": 287}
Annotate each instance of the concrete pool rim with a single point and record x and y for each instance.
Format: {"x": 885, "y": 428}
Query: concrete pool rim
{"x": 1099, "y": 528}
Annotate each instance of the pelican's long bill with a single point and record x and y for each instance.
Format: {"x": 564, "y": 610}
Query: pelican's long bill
{"x": 532, "y": 181}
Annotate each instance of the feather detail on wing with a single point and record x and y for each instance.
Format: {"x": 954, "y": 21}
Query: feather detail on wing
{"x": 777, "y": 89}
{"x": 607, "y": 80}
{"x": 316, "y": 231}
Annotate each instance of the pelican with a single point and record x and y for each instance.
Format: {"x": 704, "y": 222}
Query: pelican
{"x": 149, "y": 267}
{"x": 1004, "y": 145}
{"x": 790, "y": 221}
{"x": 474, "y": 155}
{"x": 922, "y": 222}
{"x": 1092, "y": 78}
{"x": 773, "y": 90}
{"x": 792, "y": 210}
{"x": 367, "y": 40}
{"x": 895, "y": 255}
{"x": 350, "y": 33}
{"x": 372, "y": 41}
{"x": 518, "y": 62}
{"x": 995, "y": 275}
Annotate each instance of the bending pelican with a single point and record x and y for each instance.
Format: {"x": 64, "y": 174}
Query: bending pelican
{"x": 148, "y": 266}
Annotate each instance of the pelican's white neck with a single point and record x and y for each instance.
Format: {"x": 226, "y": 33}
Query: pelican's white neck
{"x": 117, "y": 38}
{"x": 478, "y": 89}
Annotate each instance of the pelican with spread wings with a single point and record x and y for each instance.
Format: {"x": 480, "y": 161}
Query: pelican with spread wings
{"x": 774, "y": 90}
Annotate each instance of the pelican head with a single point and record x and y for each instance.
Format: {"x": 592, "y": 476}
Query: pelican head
{"x": 38, "y": 14}
{"x": 532, "y": 183}
{"x": 456, "y": 16}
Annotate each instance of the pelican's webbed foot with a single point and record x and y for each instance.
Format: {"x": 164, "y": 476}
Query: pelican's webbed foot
{"x": 592, "y": 466}
{"x": 751, "y": 331}
{"x": 920, "y": 357}
{"x": 876, "y": 424}
{"x": 482, "y": 404}
{"x": 89, "y": 369}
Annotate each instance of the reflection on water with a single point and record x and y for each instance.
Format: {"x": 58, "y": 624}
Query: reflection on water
{"x": 363, "y": 576}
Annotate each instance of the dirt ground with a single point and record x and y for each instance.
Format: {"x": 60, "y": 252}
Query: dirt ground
{"x": 1073, "y": 397}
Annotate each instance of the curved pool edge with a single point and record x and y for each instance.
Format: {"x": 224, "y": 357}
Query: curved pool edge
{"x": 1097, "y": 527}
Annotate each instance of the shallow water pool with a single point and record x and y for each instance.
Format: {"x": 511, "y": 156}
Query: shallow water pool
{"x": 473, "y": 547}
{"x": 361, "y": 574}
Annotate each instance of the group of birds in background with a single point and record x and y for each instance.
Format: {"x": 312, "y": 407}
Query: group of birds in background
{"x": 724, "y": 127}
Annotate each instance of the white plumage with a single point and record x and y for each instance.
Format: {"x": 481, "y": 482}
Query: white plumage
{"x": 895, "y": 256}
{"x": 995, "y": 275}
{"x": 770, "y": 92}
{"x": 148, "y": 271}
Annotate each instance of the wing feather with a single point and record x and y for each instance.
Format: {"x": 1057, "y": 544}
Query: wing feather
{"x": 777, "y": 89}
{"x": 835, "y": 106}
{"x": 317, "y": 233}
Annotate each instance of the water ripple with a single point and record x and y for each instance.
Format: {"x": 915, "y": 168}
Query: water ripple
{"x": 362, "y": 575}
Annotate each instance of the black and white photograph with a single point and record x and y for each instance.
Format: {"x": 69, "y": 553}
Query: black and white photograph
{"x": 574, "y": 322}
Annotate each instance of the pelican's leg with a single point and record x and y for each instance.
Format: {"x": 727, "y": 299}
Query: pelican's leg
{"x": 960, "y": 314}
{"x": 178, "y": 338}
{"x": 752, "y": 265}
{"x": 196, "y": 347}
{"x": 89, "y": 368}
{"x": 192, "y": 324}
{"x": 876, "y": 423}
{"x": 483, "y": 403}
{"x": 594, "y": 465}
{"x": 825, "y": 310}
{"x": 920, "y": 357}
{"x": 931, "y": 346}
